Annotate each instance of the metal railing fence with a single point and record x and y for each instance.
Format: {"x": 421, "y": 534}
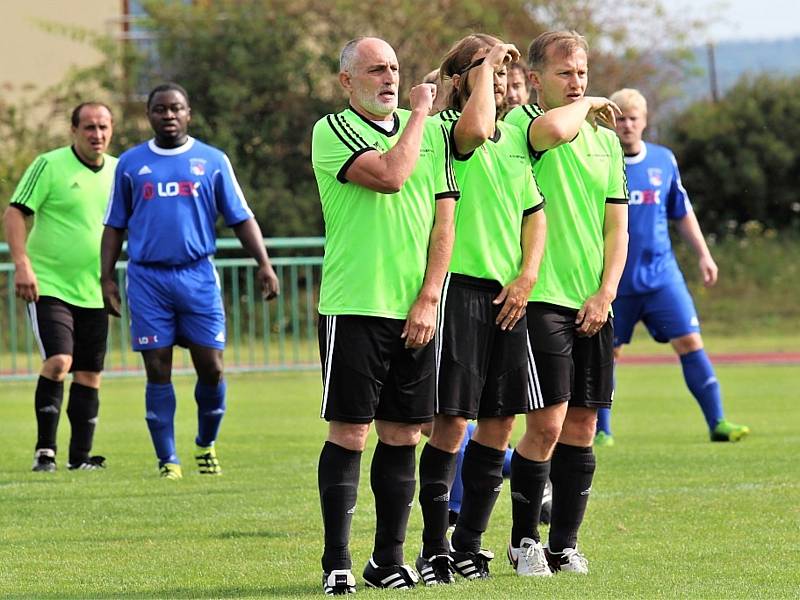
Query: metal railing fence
{"x": 276, "y": 335}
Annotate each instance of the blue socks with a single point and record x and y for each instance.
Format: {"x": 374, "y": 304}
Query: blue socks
{"x": 702, "y": 382}
{"x": 604, "y": 420}
{"x": 210, "y": 410}
{"x": 159, "y": 400}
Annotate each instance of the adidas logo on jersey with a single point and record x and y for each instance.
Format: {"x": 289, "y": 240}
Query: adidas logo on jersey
{"x": 220, "y": 337}
{"x": 144, "y": 170}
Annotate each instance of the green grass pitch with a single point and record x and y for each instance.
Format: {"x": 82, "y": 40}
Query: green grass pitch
{"x": 671, "y": 514}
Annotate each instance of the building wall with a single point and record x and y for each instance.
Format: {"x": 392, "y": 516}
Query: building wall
{"x": 33, "y": 59}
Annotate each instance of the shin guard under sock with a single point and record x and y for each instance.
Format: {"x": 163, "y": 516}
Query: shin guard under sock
{"x": 571, "y": 472}
{"x": 337, "y": 476}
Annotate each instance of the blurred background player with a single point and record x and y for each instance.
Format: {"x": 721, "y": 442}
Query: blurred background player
{"x": 652, "y": 288}
{"x": 58, "y": 274}
{"x": 388, "y": 195}
{"x": 168, "y": 193}
{"x": 517, "y": 91}
{"x": 580, "y": 171}
{"x": 483, "y": 363}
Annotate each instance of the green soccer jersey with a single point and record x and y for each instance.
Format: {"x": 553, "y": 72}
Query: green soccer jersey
{"x": 68, "y": 200}
{"x": 578, "y": 179}
{"x": 376, "y": 247}
{"x": 497, "y": 190}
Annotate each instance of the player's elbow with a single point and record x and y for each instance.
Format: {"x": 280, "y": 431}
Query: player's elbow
{"x": 390, "y": 183}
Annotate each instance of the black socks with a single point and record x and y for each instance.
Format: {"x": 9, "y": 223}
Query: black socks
{"x": 393, "y": 481}
{"x": 572, "y": 471}
{"x": 82, "y": 410}
{"x": 337, "y": 475}
{"x": 528, "y": 480}
{"x": 437, "y": 470}
{"x": 482, "y": 476}
{"x": 48, "y": 398}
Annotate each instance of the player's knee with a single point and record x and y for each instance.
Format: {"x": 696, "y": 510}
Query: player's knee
{"x": 579, "y": 427}
{"x": 687, "y": 343}
{"x": 351, "y": 436}
{"x": 448, "y": 432}
{"x": 57, "y": 366}
{"x": 542, "y": 435}
{"x": 398, "y": 434}
{"x": 494, "y": 432}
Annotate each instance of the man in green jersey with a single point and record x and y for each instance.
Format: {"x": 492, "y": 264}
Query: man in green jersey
{"x": 58, "y": 273}
{"x": 483, "y": 362}
{"x": 580, "y": 170}
{"x": 388, "y": 195}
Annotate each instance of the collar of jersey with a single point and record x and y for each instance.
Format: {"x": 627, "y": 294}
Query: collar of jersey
{"x": 636, "y": 159}
{"x": 171, "y": 151}
{"x": 393, "y": 131}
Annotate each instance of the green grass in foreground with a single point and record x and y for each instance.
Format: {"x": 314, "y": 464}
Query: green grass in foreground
{"x": 671, "y": 515}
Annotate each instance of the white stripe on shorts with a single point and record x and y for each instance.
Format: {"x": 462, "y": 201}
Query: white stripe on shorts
{"x": 35, "y": 326}
{"x": 536, "y": 400}
{"x": 440, "y": 338}
{"x": 327, "y": 364}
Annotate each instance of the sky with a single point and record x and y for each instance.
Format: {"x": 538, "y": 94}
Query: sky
{"x": 745, "y": 19}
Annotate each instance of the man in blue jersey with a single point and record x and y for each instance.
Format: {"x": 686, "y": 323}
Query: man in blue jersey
{"x": 167, "y": 194}
{"x": 652, "y": 288}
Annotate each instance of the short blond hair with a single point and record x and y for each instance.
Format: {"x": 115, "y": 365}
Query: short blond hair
{"x": 565, "y": 43}
{"x": 628, "y": 98}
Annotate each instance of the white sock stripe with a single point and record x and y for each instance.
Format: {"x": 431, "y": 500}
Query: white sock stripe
{"x": 330, "y": 327}
{"x": 32, "y": 315}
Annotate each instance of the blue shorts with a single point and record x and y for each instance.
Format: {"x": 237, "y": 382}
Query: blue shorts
{"x": 668, "y": 313}
{"x": 175, "y": 305}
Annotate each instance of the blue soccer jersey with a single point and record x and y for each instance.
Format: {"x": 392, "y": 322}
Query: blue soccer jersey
{"x": 656, "y": 196}
{"x": 169, "y": 199}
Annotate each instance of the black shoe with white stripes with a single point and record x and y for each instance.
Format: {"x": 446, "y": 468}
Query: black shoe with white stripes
{"x": 93, "y": 463}
{"x": 472, "y": 565}
{"x": 436, "y": 570}
{"x": 397, "y": 577}
{"x": 338, "y": 582}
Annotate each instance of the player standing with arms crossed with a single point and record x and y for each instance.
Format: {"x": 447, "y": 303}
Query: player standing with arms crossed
{"x": 388, "y": 194}
{"x": 580, "y": 171}
{"x": 168, "y": 193}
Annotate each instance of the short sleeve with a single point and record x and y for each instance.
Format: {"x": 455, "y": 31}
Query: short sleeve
{"x": 617, "y": 192}
{"x": 228, "y": 195}
{"x": 523, "y": 117}
{"x": 335, "y": 146}
{"x": 678, "y": 204}
{"x": 444, "y": 175}
{"x": 33, "y": 188}
{"x": 120, "y": 200}
{"x": 533, "y": 200}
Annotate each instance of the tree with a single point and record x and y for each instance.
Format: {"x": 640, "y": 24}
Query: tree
{"x": 739, "y": 158}
{"x": 261, "y": 72}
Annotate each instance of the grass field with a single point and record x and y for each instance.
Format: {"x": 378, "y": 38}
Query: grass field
{"x": 671, "y": 515}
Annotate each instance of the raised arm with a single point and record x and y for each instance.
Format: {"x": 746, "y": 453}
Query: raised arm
{"x": 560, "y": 125}
{"x": 594, "y": 312}
{"x": 421, "y": 322}
{"x": 690, "y": 231}
{"x": 249, "y": 234}
{"x": 25, "y": 284}
{"x": 478, "y": 116}
{"x": 387, "y": 172}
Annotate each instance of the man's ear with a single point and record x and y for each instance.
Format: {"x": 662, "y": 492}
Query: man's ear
{"x": 344, "y": 80}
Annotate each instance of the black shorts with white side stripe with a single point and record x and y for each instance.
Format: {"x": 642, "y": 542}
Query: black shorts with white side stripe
{"x": 63, "y": 328}
{"x": 368, "y": 373}
{"x": 572, "y": 368}
{"x": 482, "y": 371}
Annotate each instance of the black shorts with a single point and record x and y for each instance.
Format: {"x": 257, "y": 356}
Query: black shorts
{"x": 578, "y": 370}
{"x": 367, "y": 373}
{"x": 62, "y": 328}
{"x": 482, "y": 371}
